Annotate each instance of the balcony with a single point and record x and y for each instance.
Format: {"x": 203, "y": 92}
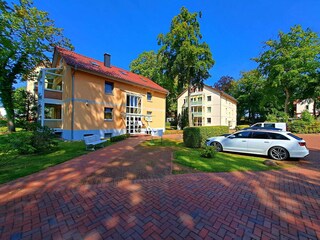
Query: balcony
{"x": 53, "y": 123}
{"x": 197, "y": 114}
{"x": 193, "y": 103}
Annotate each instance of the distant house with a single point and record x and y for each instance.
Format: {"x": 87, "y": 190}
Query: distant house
{"x": 302, "y": 105}
{"x": 81, "y": 96}
{"x": 210, "y": 107}
{"x": 3, "y": 112}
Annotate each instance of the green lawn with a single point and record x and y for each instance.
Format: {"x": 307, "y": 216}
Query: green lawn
{"x": 221, "y": 162}
{"x": 13, "y": 166}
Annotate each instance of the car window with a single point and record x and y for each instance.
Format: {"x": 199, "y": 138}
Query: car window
{"x": 257, "y": 125}
{"x": 242, "y": 134}
{"x": 260, "y": 135}
{"x": 269, "y": 125}
{"x": 294, "y": 136}
{"x": 277, "y": 136}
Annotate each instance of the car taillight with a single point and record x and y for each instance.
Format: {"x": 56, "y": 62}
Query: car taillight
{"x": 302, "y": 144}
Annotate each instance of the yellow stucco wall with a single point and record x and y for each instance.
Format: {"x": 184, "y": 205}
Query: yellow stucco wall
{"x": 90, "y": 100}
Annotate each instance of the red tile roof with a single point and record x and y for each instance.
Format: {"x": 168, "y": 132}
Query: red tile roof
{"x": 93, "y": 65}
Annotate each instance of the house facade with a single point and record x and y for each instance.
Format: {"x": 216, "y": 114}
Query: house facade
{"x": 80, "y": 96}
{"x": 210, "y": 107}
{"x": 304, "y": 105}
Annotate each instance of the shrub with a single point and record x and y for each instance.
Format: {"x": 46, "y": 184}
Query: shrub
{"x": 240, "y": 127}
{"x": 307, "y": 117}
{"x": 3, "y": 123}
{"x": 300, "y": 126}
{"x": 119, "y": 138}
{"x": 208, "y": 152}
{"x": 195, "y": 137}
{"x": 28, "y": 142}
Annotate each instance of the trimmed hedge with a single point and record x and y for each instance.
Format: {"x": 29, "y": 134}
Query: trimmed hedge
{"x": 300, "y": 126}
{"x": 119, "y": 138}
{"x": 195, "y": 137}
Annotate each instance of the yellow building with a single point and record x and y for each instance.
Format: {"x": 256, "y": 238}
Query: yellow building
{"x": 210, "y": 107}
{"x": 80, "y": 96}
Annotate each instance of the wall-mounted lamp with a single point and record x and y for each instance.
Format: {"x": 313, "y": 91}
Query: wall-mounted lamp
{"x": 87, "y": 103}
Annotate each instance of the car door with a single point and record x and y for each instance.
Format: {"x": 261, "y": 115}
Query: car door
{"x": 259, "y": 142}
{"x": 236, "y": 142}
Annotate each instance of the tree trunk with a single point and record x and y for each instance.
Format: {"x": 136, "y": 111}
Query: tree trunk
{"x": 190, "y": 118}
{"x": 314, "y": 108}
{"x": 7, "y": 100}
{"x": 287, "y": 101}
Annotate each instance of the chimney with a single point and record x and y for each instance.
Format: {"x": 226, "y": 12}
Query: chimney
{"x": 107, "y": 59}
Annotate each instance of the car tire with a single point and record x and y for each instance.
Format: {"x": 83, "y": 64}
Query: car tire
{"x": 217, "y": 146}
{"x": 278, "y": 153}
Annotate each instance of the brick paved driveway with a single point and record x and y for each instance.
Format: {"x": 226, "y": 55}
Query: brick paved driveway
{"x": 281, "y": 204}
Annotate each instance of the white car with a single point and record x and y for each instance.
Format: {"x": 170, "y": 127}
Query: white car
{"x": 279, "y": 145}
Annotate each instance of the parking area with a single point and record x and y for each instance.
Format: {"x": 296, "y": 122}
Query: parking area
{"x": 279, "y": 204}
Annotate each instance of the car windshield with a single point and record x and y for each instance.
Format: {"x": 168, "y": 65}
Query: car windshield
{"x": 294, "y": 136}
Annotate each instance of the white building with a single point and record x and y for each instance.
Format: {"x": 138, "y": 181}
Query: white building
{"x": 210, "y": 107}
{"x": 302, "y": 105}
{"x": 3, "y": 112}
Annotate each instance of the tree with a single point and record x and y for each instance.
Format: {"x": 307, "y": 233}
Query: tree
{"x": 187, "y": 59}
{"x": 248, "y": 90}
{"x": 27, "y": 36}
{"x": 150, "y": 65}
{"x": 24, "y": 105}
{"x": 225, "y": 84}
{"x": 289, "y": 63}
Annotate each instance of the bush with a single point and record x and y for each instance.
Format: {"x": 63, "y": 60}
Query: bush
{"x": 119, "y": 138}
{"x": 195, "y": 137}
{"x": 300, "y": 126}
{"x": 26, "y": 142}
{"x": 3, "y": 123}
{"x": 240, "y": 127}
{"x": 208, "y": 152}
{"x": 307, "y": 117}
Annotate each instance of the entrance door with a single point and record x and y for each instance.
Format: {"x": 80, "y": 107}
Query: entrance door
{"x": 134, "y": 124}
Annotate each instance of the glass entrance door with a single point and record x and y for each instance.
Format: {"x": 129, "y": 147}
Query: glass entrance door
{"x": 134, "y": 124}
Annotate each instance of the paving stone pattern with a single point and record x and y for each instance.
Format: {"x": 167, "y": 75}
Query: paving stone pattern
{"x": 281, "y": 204}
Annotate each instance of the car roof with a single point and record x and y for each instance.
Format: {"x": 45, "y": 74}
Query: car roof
{"x": 263, "y": 130}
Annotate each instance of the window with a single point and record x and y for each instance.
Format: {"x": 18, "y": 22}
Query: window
{"x": 269, "y": 125}
{"x": 277, "y": 136}
{"x": 52, "y": 111}
{"x": 294, "y": 136}
{"x": 107, "y": 135}
{"x": 149, "y": 116}
{"x": 108, "y": 87}
{"x": 307, "y": 107}
{"x": 149, "y": 96}
{"x": 209, "y": 109}
{"x": 108, "y": 113}
{"x": 242, "y": 135}
{"x": 209, "y": 120}
{"x": 133, "y": 104}
{"x": 209, "y": 98}
{"x": 260, "y": 135}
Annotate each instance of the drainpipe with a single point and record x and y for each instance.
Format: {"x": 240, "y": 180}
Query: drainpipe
{"x": 72, "y": 102}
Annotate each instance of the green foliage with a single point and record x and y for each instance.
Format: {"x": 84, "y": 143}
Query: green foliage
{"x": 240, "y": 127}
{"x": 290, "y": 65}
{"x": 208, "y": 152}
{"x": 187, "y": 59}
{"x": 119, "y": 138}
{"x": 277, "y": 116}
{"x": 249, "y": 92}
{"x": 307, "y": 117}
{"x": 25, "y": 105}
{"x": 300, "y": 126}
{"x": 3, "y": 123}
{"x": 195, "y": 137}
{"x": 37, "y": 141}
{"x": 27, "y": 35}
{"x": 183, "y": 119}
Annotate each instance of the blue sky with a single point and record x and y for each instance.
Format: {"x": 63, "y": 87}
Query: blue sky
{"x": 235, "y": 30}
